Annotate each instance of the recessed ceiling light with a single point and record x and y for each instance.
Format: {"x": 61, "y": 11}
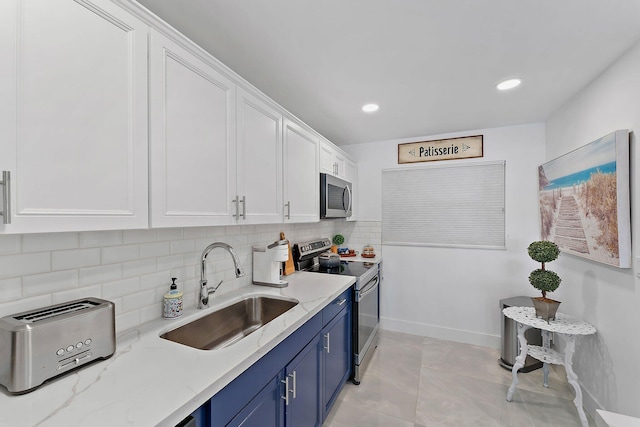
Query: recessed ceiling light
{"x": 370, "y": 108}
{"x": 508, "y": 84}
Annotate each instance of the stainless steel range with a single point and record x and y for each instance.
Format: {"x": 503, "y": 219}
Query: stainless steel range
{"x": 366, "y": 298}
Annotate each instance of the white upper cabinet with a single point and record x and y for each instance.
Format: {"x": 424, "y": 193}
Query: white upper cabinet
{"x": 332, "y": 161}
{"x": 73, "y": 111}
{"x": 259, "y": 161}
{"x": 193, "y": 139}
{"x": 301, "y": 175}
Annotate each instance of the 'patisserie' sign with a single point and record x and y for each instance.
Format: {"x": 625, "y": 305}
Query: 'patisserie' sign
{"x": 441, "y": 149}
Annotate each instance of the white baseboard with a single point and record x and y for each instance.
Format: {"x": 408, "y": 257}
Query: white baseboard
{"x": 439, "y": 332}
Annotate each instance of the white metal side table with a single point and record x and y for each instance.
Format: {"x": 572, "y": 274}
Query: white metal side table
{"x": 564, "y": 325}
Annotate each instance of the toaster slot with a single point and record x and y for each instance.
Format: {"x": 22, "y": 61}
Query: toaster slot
{"x": 48, "y": 313}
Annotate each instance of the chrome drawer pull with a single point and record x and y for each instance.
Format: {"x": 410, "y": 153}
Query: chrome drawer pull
{"x": 286, "y": 390}
{"x": 328, "y": 346}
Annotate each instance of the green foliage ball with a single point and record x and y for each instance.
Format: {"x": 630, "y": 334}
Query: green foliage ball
{"x": 543, "y": 251}
{"x": 338, "y": 239}
{"x": 544, "y": 280}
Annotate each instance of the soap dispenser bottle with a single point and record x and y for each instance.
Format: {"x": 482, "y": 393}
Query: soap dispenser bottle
{"x": 172, "y": 302}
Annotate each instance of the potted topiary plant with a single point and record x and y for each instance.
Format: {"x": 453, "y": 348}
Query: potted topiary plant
{"x": 338, "y": 239}
{"x": 544, "y": 280}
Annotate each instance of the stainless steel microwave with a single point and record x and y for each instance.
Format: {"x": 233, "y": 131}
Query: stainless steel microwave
{"x": 336, "y": 197}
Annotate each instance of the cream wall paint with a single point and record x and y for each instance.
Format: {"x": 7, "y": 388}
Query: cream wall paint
{"x": 454, "y": 293}
{"x": 608, "y": 364}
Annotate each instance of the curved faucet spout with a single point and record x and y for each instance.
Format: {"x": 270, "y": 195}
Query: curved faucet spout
{"x": 203, "y": 300}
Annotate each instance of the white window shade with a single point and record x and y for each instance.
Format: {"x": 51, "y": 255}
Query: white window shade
{"x": 448, "y": 206}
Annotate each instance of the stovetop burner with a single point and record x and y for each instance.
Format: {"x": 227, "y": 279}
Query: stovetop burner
{"x": 345, "y": 268}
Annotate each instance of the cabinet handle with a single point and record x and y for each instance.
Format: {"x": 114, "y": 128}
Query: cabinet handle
{"x": 288, "y": 206}
{"x": 236, "y": 201}
{"x": 293, "y": 390}
{"x": 342, "y": 302}
{"x": 286, "y": 390}
{"x": 328, "y": 338}
{"x": 6, "y": 197}
{"x": 244, "y": 207}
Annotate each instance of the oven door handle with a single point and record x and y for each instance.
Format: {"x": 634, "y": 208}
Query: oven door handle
{"x": 371, "y": 286}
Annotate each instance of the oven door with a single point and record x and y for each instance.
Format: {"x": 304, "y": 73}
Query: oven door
{"x": 367, "y": 309}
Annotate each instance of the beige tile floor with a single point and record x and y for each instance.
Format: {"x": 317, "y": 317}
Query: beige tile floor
{"x": 415, "y": 381}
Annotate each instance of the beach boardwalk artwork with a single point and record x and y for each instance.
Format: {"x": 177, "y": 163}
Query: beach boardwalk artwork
{"x": 584, "y": 201}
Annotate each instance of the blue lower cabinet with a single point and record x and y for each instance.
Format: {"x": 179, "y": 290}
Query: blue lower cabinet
{"x": 265, "y": 409}
{"x": 336, "y": 358}
{"x": 302, "y": 376}
{"x": 293, "y": 385}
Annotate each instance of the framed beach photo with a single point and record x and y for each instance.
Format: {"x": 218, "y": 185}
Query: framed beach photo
{"x": 584, "y": 201}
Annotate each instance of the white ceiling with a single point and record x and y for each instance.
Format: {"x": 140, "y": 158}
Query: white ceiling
{"x": 432, "y": 65}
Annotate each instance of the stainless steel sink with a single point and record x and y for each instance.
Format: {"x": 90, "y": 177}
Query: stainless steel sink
{"x": 229, "y": 325}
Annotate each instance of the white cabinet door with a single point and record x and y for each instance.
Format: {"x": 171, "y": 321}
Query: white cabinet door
{"x": 327, "y": 164}
{"x": 192, "y": 139}
{"x": 331, "y": 161}
{"x": 259, "y": 155}
{"x": 301, "y": 175}
{"x": 74, "y": 107}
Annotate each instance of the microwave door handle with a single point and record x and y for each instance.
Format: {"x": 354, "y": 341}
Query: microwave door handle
{"x": 348, "y": 190}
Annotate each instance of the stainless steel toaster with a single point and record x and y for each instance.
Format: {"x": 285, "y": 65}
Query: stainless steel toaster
{"x": 40, "y": 344}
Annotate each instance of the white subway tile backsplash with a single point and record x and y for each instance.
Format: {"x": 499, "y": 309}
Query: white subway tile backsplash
{"x": 151, "y": 250}
{"x": 120, "y": 288}
{"x": 154, "y": 281}
{"x": 138, "y": 268}
{"x": 92, "y": 239}
{"x": 169, "y": 262}
{"x": 138, "y": 236}
{"x": 197, "y": 232}
{"x": 49, "y": 283}
{"x": 77, "y": 293}
{"x": 138, "y": 300}
{"x": 127, "y": 320}
{"x": 23, "y": 264}
{"x": 182, "y": 246}
{"x": 100, "y": 274}
{"x": 133, "y": 268}
{"x": 49, "y": 242}
{"x": 116, "y": 254}
{"x": 76, "y": 258}
{"x": 24, "y": 304}
{"x": 10, "y": 289}
{"x": 150, "y": 312}
{"x": 168, "y": 234}
{"x": 10, "y": 244}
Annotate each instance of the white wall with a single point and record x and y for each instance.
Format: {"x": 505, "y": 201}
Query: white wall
{"x": 454, "y": 293}
{"x": 608, "y": 364}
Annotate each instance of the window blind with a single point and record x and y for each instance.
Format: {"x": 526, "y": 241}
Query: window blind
{"x": 448, "y": 206}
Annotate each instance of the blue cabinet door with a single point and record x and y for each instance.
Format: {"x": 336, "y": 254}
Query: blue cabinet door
{"x": 336, "y": 357}
{"x": 264, "y": 410}
{"x": 302, "y": 375}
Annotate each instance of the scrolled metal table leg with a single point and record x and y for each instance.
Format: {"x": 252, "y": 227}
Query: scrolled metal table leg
{"x": 519, "y": 360}
{"x": 572, "y": 378}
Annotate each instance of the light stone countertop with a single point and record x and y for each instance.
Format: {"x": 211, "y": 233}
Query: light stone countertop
{"x": 151, "y": 381}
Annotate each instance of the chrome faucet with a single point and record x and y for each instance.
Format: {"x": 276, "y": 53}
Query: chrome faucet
{"x": 203, "y": 300}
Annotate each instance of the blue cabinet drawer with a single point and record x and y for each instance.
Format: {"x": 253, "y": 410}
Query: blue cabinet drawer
{"x": 339, "y": 303}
